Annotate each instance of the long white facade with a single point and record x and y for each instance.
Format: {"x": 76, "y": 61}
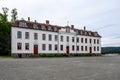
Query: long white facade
{"x": 75, "y": 42}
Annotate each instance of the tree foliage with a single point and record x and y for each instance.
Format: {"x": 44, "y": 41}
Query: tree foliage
{"x": 14, "y": 15}
{"x": 5, "y": 31}
{"x": 110, "y": 50}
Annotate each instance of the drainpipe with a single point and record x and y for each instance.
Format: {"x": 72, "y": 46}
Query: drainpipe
{"x": 58, "y": 42}
{"x": 76, "y": 43}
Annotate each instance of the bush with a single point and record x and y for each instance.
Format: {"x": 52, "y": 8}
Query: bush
{"x": 84, "y": 54}
{"x": 52, "y": 55}
{"x": 71, "y": 55}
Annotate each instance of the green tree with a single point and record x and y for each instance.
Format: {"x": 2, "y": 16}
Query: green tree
{"x": 5, "y": 27}
{"x": 14, "y": 15}
{"x": 4, "y": 15}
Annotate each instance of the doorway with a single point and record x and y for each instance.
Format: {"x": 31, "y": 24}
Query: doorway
{"x": 67, "y": 50}
{"x": 35, "y": 49}
{"x": 90, "y": 49}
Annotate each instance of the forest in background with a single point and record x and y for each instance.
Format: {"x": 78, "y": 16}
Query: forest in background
{"x": 112, "y": 50}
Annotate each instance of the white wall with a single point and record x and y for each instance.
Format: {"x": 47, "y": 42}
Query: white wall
{"x": 31, "y": 41}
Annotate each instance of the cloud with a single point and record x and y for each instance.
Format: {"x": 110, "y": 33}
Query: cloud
{"x": 97, "y": 15}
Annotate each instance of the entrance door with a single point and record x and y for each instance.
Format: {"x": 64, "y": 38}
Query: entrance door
{"x": 35, "y": 49}
{"x": 90, "y": 49}
{"x": 67, "y": 50}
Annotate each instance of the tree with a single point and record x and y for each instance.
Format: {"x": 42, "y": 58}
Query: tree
{"x": 5, "y": 28}
{"x": 14, "y": 15}
{"x": 4, "y": 15}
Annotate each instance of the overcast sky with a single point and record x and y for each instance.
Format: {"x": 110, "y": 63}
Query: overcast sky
{"x": 102, "y": 16}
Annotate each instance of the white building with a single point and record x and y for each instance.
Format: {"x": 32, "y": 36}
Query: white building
{"x": 39, "y": 38}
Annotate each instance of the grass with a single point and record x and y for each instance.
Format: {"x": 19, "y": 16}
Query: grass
{"x": 6, "y": 56}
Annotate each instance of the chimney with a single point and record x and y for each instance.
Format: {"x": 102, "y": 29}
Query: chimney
{"x": 72, "y": 26}
{"x": 35, "y": 21}
{"x": 28, "y": 18}
{"x": 47, "y": 21}
{"x": 84, "y": 28}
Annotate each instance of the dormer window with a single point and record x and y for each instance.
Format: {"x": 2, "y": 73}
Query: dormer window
{"x": 67, "y": 29}
{"x": 35, "y": 26}
{"x": 43, "y": 27}
{"x": 55, "y": 29}
{"x": 77, "y": 31}
{"x": 85, "y": 33}
{"x": 95, "y": 34}
{"x": 49, "y": 28}
{"x": 90, "y": 33}
{"x": 22, "y": 24}
{"x": 81, "y": 32}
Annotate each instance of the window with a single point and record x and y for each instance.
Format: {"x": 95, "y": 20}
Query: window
{"x": 19, "y": 34}
{"x": 82, "y": 48}
{"x": 94, "y": 41}
{"x": 90, "y": 40}
{"x": 77, "y": 48}
{"x": 35, "y": 36}
{"x": 90, "y": 33}
{"x": 67, "y": 30}
{"x": 67, "y": 38}
{"x": 81, "y": 40}
{"x": 95, "y": 34}
{"x": 49, "y": 28}
{"x": 56, "y": 37}
{"x": 77, "y": 39}
{"x": 19, "y": 46}
{"x": 26, "y": 35}
{"x": 85, "y": 40}
{"x": 94, "y": 48}
{"x": 50, "y": 46}
{"x": 97, "y": 48}
{"x": 81, "y": 32}
{"x": 43, "y": 46}
{"x": 43, "y": 27}
{"x": 73, "y": 39}
{"x": 50, "y": 37}
{"x": 22, "y": 24}
{"x": 97, "y": 41}
{"x": 26, "y": 46}
{"x": 43, "y": 37}
{"x": 55, "y": 28}
{"x": 85, "y": 33}
{"x": 56, "y": 47}
{"x": 85, "y": 48}
{"x": 77, "y": 31}
{"x": 61, "y": 38}
{"x": 35, "y": 26}
{"x": 73, "y": 48}
{"x": 61, "y": 47}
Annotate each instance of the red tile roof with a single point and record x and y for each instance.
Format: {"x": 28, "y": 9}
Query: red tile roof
{"x": 54, "y": 28}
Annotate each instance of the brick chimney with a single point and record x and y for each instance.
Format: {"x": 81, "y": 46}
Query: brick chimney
{"x": 72, "y": 26}
{"x": 84, "y": 28}
{"x": 28, "y": 18}
{"x": 47, "y": 21}
{"x": 35, "y": 21}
